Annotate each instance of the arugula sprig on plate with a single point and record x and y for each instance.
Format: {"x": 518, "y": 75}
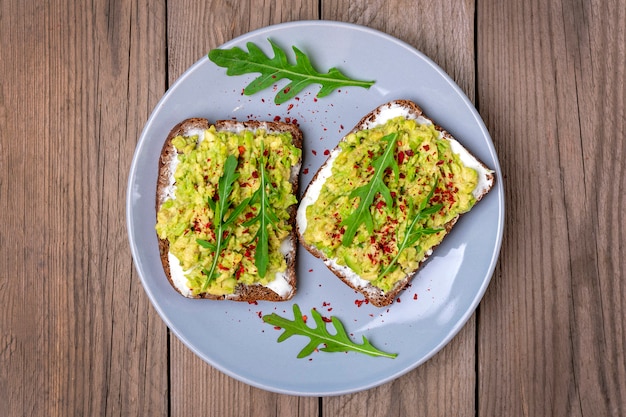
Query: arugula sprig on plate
{"x": 301, "y": 74}
{"x": 320, "y": 336}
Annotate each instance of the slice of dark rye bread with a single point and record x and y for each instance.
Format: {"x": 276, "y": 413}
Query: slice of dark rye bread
{"x": 165, "y": 190}
{"x": 379, "y": 116}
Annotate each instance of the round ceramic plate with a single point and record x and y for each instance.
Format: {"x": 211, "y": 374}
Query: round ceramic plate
{"x": 231, "y": 336}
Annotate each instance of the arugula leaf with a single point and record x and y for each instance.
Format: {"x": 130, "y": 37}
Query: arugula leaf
{"x": 220, "y": 223}
{"x": 367, "y": 192}
{"x": 265, "y": 217}
{"x": 238, "y": 62}
{"x": 338, "y": 342}
{"x": 413, "y": 233}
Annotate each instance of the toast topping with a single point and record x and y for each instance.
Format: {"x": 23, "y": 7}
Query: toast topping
{"x": 214, "y": 165}
{"x": 393, "y": 187}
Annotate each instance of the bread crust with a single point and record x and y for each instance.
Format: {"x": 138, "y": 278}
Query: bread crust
{"x": 375, "y": 295}
{"x": 243, "y": 292}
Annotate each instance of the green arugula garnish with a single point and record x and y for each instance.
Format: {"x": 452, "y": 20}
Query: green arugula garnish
{"x": 220, "y": 222}
{"x": 367, "y": 192}
{"x": 319, "y": 335}
{"x": 302, "y": 74}
{"x": 413, "y": 232}
{"x": 265, "y": 217}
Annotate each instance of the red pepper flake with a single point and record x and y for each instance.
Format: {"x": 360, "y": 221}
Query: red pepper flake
{"x": 398, "y": 300}
{"x": 287, "y": 119}
{"x": 359, "y": 303}
{"x": 341, "y": 127}
{"x": 242, "y": 149}
{"x": 439, "y": 163}
{"x": 255, "y": 174}
{"x": 314, "y": 152}
{"x": 400, "y": 157}
{"x": 409, "y": 152}
{"x": 277, "y": 118}
{"x": 326, "y": 319}
{"x": 253, "y": 303}
{"x": 311, "y": 270}
{"x": 240, "y": 271}
{"x": 289, "y": 107}
{"x": 315, "y": 99}
{"x": 305, "y": 171}
{"x": 326, "y": 152}
{"x": 286, "y": 90}
{"x": 304, "y": 318}
{"x": 426, "y": 148}
{"x": 260, "y": 314}
{"x": 277, "y": 327}
{"x": 415, "y": 296}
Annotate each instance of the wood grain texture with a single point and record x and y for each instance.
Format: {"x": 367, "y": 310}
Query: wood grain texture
{"x": 221, "y": 21}
{"x": 552, "y": 89}
{"x": 78, "y": 335}
{"x": 445, "y": 385}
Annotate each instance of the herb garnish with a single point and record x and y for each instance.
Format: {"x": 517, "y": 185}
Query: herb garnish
{"x": 319, "y": 335}
{"x": 220, "y": 222}
{"x": 413, "y": 232}
{"x": 265, "y": 217}
{"x": 302, "y": 74}
{"x": 367, "y": 192}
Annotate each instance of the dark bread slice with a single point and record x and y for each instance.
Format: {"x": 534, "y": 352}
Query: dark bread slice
{"x": 378, "y": 116}
{"x": 165, "y": 183}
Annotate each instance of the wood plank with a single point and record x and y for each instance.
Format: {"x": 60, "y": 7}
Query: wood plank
{"x": 551, "y": 87}
{"x": 445, "y": 385}
{"x": 78, "y": 334}
{"x": 221, "y": 21}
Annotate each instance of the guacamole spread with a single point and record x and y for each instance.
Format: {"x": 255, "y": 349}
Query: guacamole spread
{"x": 428, "y": 185}
{"x": 188, "y": 221}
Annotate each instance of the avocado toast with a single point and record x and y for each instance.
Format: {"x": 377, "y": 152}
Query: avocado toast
{"x": 226, "y": 205}
{"x": 388, "y": 194}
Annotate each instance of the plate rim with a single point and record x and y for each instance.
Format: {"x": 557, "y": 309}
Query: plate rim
{"x": 498, "y": 186}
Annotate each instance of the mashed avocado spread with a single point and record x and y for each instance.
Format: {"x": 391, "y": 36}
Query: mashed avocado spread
{"x": 188, "y": 217}
{"x": 423, "y": 159}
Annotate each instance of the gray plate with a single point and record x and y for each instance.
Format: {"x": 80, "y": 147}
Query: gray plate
{"x": 231, "y": 336}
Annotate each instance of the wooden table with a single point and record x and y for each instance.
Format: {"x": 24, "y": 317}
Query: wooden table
{"x": 78, "y": 335}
